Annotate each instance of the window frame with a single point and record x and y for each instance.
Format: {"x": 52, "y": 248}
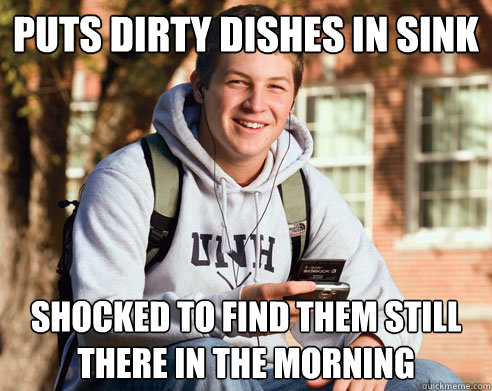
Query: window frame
{"x": 445, "y": 238}
{"x": 336, "y": 89}
{"x": 75, "y": 108}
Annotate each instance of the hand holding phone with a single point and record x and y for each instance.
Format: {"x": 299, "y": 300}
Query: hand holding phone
{"x": 277, "y": 291}
{"x": 325, "y": 273}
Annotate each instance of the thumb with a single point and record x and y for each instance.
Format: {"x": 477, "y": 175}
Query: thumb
{"x": 318, "y": 383}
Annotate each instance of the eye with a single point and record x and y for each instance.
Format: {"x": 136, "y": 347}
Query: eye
{"x": 236, "y": 82}
{"x": 277, "y": 87}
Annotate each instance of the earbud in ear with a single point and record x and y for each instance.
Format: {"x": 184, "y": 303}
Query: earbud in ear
{"x": 200, "y": 90}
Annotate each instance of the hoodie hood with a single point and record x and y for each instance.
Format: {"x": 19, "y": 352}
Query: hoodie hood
{"x": 177, "y": 117}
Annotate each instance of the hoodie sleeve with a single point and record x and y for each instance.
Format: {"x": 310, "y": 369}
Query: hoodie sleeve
{"x": 109, "y": 247}
{"x": 337, "y": 233}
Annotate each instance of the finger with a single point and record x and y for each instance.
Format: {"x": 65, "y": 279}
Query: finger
{"x": 367, "y": 385}
{"x": 360, "y": 385}
{"x": 341, "y": 385}
{"x": 318, "y": 383}
{"x": 379, "y": 384}
{"x": 290, "y": 288}
{"x": 276, "y": 291}
{"x": 293, "y": 310}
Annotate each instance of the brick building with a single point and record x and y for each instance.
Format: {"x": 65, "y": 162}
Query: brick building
{"x": 407, "y": 138}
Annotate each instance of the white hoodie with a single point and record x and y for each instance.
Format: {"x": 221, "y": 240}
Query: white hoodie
{"x": 112, "y": 226}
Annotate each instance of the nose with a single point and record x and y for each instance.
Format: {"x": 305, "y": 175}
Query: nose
{"x": 255, "y": 101}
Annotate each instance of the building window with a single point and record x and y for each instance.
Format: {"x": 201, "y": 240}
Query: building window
{"x": 340, "y": 120}
{"x": 450, "y": 154}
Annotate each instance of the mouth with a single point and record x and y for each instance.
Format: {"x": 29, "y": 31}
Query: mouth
{"x": 250, "y": 126}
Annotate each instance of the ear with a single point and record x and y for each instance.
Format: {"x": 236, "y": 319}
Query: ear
{"x": 195, "y": 83}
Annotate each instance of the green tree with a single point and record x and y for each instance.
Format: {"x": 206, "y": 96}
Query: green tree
{"x": 132, "y": 82}
{"x": 34, "y": 113}
{"x": 35, "y": 94}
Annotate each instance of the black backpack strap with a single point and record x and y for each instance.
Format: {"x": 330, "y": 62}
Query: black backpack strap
{"x": 294, "y": 192}
{"x": 166, "y": 173}
{"x": 65, "y": 364}
{"x": 63, "y": 269}
{"x": 65, "y": 290}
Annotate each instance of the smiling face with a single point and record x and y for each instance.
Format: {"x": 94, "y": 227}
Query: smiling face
{"x": 246, "y": 105}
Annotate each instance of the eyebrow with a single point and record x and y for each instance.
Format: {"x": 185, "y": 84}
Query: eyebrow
{"x": 245, "y": 75}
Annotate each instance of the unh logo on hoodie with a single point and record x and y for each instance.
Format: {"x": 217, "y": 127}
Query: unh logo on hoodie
{"x": 206, "y": 246}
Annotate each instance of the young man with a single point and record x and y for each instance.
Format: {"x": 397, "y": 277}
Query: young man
{"x": 233, "y": 131}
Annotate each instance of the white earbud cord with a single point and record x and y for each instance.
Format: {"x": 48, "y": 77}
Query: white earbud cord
{"x": 236, "y": 270}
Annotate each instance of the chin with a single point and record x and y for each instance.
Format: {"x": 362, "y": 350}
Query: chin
{"x": 250, "y": 150}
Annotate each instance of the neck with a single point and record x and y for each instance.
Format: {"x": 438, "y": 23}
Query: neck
{"x": 245, "y": 172}
{"x": 239, "y": 168}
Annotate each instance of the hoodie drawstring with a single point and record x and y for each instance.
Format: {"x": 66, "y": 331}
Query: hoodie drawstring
{"x": 257, "y": 241}
{"x": 225, "y": 231}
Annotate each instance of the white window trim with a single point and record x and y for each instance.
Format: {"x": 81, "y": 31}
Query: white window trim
{"x": 437, "y": 238}
{"x": 86, "y": 105}
{"x": 368, "y": 161}
{"x": 82, "y": 107}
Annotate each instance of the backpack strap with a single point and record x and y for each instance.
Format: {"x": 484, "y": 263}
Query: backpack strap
{"x": 166, "y": 173}
{"x": 63, "y": 269}
{"x": 294, "y": 192}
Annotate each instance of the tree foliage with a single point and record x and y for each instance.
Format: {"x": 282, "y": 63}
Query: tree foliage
{"x": 132, "y": 82}
{"x": 35, "y": 94}
{"x": 34, "y": 112}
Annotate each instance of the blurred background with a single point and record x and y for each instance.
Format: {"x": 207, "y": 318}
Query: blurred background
{"x": 407, "y": 138}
